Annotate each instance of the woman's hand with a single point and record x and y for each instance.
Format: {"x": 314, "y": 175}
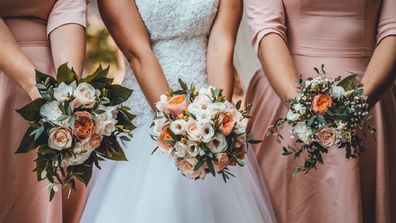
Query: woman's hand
{"x": 34, "y": 93}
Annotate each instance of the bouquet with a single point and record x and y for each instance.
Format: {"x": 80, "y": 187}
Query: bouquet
{"x": 326, "y": 112}
{"x": 75, "y": 124}
{"x": 201, "y": 131}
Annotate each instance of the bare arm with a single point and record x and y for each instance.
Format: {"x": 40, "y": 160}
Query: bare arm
{"x": 278, "y": 65}
{"x": 128, "y": 31}
{"x": 221, "y": 46}
{"x": 14, "y": 63}
{"x": 63, "y": 52}
{"x": 381, "y": 71}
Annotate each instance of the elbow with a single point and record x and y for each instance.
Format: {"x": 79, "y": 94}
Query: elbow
{"x": 137, "y": 54}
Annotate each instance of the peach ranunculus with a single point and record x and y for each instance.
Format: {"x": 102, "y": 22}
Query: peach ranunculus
{"x": 321, "y": 103}
{"x": 60, "y": 138}
{"x": 227, "y": 121}
{"x": 187, "y": 166}
{"x": 162, "y": 143}
{"x": 83, "y": 125}
{"x": 221, "y": 162}
{"x": 327, "y": 137}
{"x": 176, "y": 104}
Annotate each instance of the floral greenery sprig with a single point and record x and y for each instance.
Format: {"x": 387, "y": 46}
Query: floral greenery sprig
{"x": 76, "y": 124}
{"x": 201, "y": 131}
{"x": 325, "y": 113}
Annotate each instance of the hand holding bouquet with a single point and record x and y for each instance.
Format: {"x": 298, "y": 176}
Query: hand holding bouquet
{"x": 325, "y": 113}
{"x": 75, "y": 124}
{"x": 201, "y": 131}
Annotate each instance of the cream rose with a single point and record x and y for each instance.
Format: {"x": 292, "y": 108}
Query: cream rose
{"x": 327, "y": 137}
{"x": 64, "y": 91}
{"x": 187, "y": 167}
{"x": 85, "y": 95}
{"x": 60, "y": 138}
{"x": 207, "y": 131}
{"x": 193, "y": 131}
{"x": 218, "y": 144}
{"x": 158, "y": 126}
{"x": 95, "y": 141}
{"x": 193, "y": 149}
{"x": 51, "y": 111}
{"x": 178, "y": 126}
{"x": 106, "y": 128}
{"x": 180, "y": 149}
{"x": 303, "y": 132}
{"x": 81, "y": 152}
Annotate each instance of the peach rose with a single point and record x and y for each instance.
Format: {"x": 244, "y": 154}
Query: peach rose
{"x": 83, "y": 125}
{"x": 60, "y": 138}
{"x": 321, "y": 103}
{"x": 221, "y": 162}
{"x": 95, "y": 141}
{"x": 327, "y": 137}
{"x": 187, "y": 167}
{"x": 177, "y": 104}
{"x": 161, "y": 141}
{"x": 227, "y": 122}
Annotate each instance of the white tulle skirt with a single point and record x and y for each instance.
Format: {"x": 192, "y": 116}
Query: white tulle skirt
{"x": 149, "y": 189}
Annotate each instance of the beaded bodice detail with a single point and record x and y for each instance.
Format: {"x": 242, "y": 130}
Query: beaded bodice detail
{"x": 179, "y": 31}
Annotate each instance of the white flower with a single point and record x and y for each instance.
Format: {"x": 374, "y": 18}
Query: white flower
{"x": 161, "y": 104}
{"x": 51, "y": 111}
{"x": 337, "y": 91}
{"x": 203, "y": 115}
{"x": 105, "y": 128}
{"x": 298, "y": 107}
{"x": 85, "y": 95}
{"x": 217, "y": 107}
{"x": 194, "y": 108}
{"x": 193, "y": 149}
{"x": 303, "y": 132}
{"x": 178, "y": 126}
{"x": 241, "y": 126}
{"x": 180, "y": 149}
{"x": 81, "y": 152}
{"x": 202, "y": 99}
{"x": 291, "y": 116}
{"x": 207, "y": 131}
{"x": 218, "y": 144}
{"x": 109, "y": 114}
{"x": 60, "y": 138}
{"x": 158, "y": 126}
{"x": 193, "y": 131}
{"x": 64, "y": 91}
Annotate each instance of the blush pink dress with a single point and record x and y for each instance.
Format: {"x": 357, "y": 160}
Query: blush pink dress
{"x": 22, "y": 198}
{"x": 342, "y": 34}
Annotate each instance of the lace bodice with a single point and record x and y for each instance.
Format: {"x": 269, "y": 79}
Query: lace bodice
{"x": 179, "y": 31}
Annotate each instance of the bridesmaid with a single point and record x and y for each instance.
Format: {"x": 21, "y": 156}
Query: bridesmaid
{"x": 34, "y": 34}
{"x": 357, "y": 36}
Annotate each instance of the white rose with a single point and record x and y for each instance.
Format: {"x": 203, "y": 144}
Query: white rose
{"x": 218, "y": 144}
{"x": 181, "y": 149}
{"x": 217, "y": 107}
{"x": 203, "y": 115}
{"x": 105, "y": 128}
{"x": 202, "y": 99}
{"x": 161, "y": 104}
{"x": 241, "y": 126}
{"x": 85, "y": 95}
{"x": 207, "y": 131}
{"x": 193, "y": 131}
{"x": 193, "y": 149}
{"x": 299, "y": 108}
{"x": 60, "y": 138}
{"x": 64, "y": 91}
{"x": 303, "y": 132}
{"x": 51, "y": 111}
{"x": 194, "y": 108}
{"x": 337, "y": 91}
{"x": 158, "y": 126}
{"x": 178, "y": 126}
{"x": 110, "y": 113}
{"x": 291, "y": 116}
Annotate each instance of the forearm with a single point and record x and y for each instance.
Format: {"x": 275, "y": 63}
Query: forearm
{"x": 68, "y": 46}
{"x": 150, "y": 77}
{"x": 381, "y": 71}
{"x": 14, "y": 63}
{"x": 278, "y": 66}
{"x": 221, "y": 70}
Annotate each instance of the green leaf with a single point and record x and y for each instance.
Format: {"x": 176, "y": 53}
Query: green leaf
{"x": 238, "y": 104}
{"x": 211, "y": 167}
{"x": 31, "y": 111}
{"x": 28, "y": 143}
{"x": 83, "y": 172}
{"x": 254, "y": 141}
{"x": 183, "y": 85}
{"x": 348, "y": 83}
{"x": 44, "y": 78}
{"x": 199, "y": 164}
{"x": 118, "y": 94}
{"x": 99, "y": 78}
{"x": 65, "y": 74}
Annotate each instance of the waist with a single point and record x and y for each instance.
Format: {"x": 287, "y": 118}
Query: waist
{"x": 28, "y": 31}
{"x": 330, "y": 51}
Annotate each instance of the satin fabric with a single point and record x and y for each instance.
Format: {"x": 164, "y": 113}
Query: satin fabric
{"x": 22, "y": 197}
{"x": 342, "y": 35}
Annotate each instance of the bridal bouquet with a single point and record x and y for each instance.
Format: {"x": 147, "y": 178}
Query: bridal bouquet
{"x": 326, "y": 112}
{"x": 201, "y": 131}
{"x": 75, "y": 124}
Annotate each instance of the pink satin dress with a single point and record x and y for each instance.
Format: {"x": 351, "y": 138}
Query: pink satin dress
{"x": 342, "y": 35}
{"x": 22, "y": 197}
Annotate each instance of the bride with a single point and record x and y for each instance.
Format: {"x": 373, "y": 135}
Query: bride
{"x": 164, "y": 40}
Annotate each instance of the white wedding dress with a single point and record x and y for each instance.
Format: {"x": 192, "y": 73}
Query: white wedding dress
{"x": 149, "y": 188}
